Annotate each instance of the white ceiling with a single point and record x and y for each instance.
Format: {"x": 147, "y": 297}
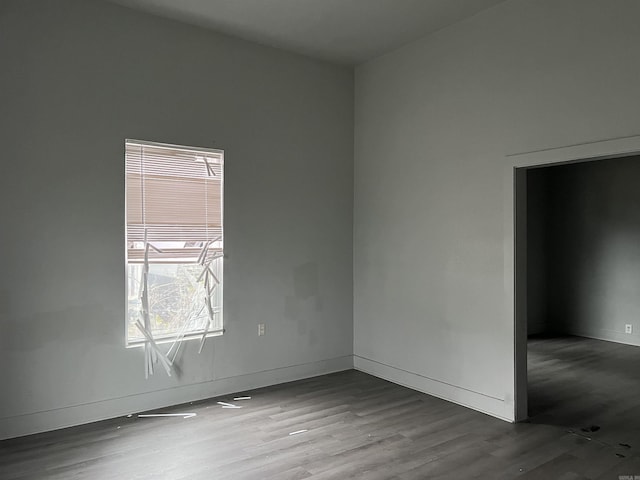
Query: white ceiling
{"x": 343, "y": 31}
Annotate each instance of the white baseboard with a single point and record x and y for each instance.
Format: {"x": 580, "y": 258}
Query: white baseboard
{"x": 607, "y": 335}
{"x": 467, "y": 398}
{"x": 38, "y": 422}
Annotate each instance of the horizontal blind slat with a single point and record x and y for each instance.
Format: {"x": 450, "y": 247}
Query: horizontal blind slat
{"x": 175, "y": 195}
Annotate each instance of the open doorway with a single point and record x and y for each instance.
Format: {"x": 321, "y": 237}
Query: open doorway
{"x": 583, "y": 289}
{"x": 577, "y": 290}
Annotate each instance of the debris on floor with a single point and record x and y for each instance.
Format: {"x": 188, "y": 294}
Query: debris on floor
{"x": 592, "y": 428}
{"x": 167, "y": 415}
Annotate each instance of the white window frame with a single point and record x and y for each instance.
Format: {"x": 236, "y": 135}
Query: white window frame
{"x": 199, "y": 254}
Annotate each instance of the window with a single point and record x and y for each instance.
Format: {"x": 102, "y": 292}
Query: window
{"x": 174, "y": 212}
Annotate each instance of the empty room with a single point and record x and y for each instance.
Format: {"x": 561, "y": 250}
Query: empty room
{"x": 287, "y": 239}
{"x": 583, "y": 257}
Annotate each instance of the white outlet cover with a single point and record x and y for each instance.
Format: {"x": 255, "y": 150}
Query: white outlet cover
{"x": 628, "y": 328}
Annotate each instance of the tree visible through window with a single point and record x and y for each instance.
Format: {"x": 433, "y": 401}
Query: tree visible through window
{"x": 174, "y": 216}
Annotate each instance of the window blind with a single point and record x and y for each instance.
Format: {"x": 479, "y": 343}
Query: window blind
{"x": 174, "y": 202}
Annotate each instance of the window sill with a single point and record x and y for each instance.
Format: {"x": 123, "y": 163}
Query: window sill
{"x": 171, "y": 339}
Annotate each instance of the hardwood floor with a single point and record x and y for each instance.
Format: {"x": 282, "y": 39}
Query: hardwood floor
{"x": 582, "y": 385}
{"x": 359, "y": 427}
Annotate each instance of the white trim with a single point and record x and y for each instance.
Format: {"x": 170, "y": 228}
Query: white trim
{"x": 467, "y": 398}
{"x": 37, "y": 422}
{"x": 214, "y": 151}
{"x": 196, "y": 335}
{"x": 606, "y": 335}
{"x": 587, "y": 151}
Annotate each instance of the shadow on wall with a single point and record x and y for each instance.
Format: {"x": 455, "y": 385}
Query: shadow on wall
{"x": 63, "y": 326}
{"x": 305, "y": 300}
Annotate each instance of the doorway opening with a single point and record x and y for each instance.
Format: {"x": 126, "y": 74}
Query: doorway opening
{"x": 583, "y": 289}
{"x": 577, "y": 289}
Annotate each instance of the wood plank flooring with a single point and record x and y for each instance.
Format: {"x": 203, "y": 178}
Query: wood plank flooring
{"x": 361, "y": 427}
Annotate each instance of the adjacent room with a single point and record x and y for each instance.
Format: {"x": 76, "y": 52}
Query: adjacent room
{"x": 583, "y": 227}
{"x": 319, "y": 239}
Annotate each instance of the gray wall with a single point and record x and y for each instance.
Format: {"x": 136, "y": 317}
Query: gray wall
{"x": 591, "y": 259}
{"x": 435, "y": 122}
{"x": 77, "y": 78}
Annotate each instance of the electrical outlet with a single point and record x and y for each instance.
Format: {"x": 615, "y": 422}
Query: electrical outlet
{"x": 260, "y": 329}
{"x": 628, "y": 328}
